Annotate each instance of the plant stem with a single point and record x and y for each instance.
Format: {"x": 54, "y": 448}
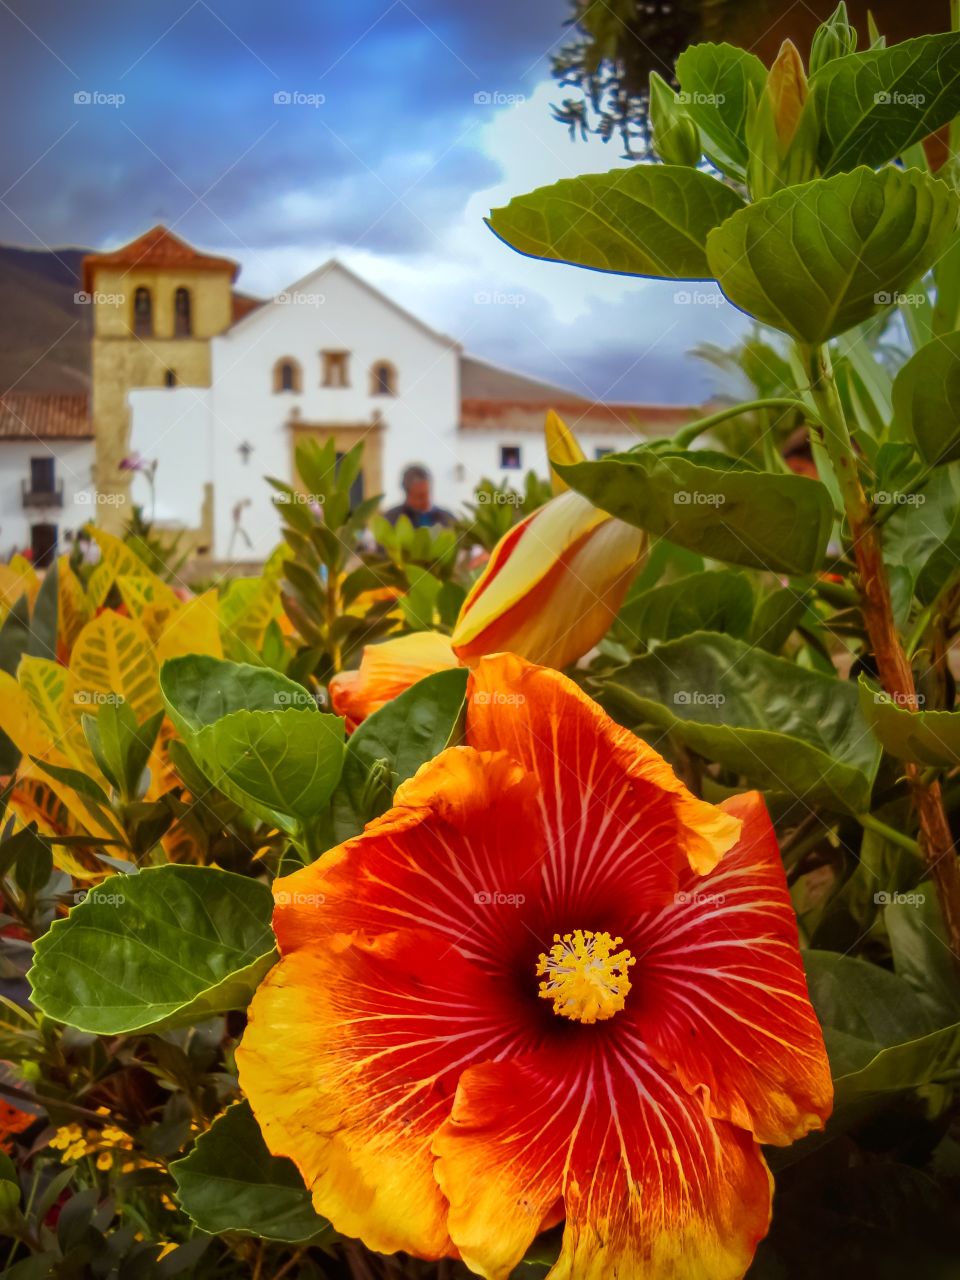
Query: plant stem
{"x": 870, "y": 823}
{"x": 686, "y": 435}
{"x": 893, "y": 666}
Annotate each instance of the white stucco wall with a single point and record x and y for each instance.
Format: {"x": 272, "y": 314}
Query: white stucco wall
{"x": 73, "y": 466}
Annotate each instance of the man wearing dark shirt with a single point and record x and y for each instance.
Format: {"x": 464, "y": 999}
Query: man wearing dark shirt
{"x": 417, "y": 503}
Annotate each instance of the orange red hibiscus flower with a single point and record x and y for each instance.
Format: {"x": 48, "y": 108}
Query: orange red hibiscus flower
{"x": 550, "y": 983}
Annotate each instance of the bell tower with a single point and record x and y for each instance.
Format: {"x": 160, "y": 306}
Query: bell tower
{"x": 157, "y": 302}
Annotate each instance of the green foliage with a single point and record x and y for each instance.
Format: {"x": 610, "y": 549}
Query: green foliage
{"x": 711, "y": 502}
{"x": 231, "y": 1182}
{"x": 926, "y": 399}
{"x": 169, "y": 946}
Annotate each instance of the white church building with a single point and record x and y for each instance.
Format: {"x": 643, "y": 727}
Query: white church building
{"x": 330, "y": 356}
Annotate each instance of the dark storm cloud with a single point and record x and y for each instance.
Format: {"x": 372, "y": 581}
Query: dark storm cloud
{"x": 199, "y": 118}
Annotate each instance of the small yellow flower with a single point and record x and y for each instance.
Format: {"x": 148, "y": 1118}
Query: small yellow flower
{"x": 104, "y": 1160}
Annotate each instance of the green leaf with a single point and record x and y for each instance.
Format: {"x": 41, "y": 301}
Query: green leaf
{"x": 284, "y": 762}
{"x": 818, "y": 258}
{"x": 404, "y": 734}
{"x": 921, "y": 951}
{"x": 924, "y": 737}
{"x": 231, "y": 1182}
{"x": 786, "y": 729}
{"x": 715, "y": 600}
{"x": 42, "y": 642}
{"x": 648, "y": 220}
{"x": 926, "y": 399}
{"x": 419, "y": 603}
{"x": 715, "y": 80}
{"x": 166, "y": 947}
{"x": 711, "y": 504}
{"x": 862, "y": 1008}
{"x": 199, "y": 690}
{"x": 923, "y": 534}
{"x": 872, "y": 106}
{"x": 120, "y": 746}
{"x": 776, "y": 617}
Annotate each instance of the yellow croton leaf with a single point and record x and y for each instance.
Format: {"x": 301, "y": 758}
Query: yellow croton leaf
{"x": 194, "y": 628}
{"x": 150, "y": 600}
{"x": 33, "y": 800}
{"x": 74, "y": 609}
{"x": 111, "y": 660}
{"x": 44, "y": 682}
{"x": 18, "y": 578}
{"x": 116, "y": 560}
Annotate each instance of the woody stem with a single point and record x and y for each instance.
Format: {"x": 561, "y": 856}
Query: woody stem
{"x": 893, "y": 666}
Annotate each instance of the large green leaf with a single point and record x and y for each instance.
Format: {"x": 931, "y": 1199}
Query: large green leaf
{"x": 715, "y": 80}
{"x": 921, "y": 950}
{"x": 648, "y": 220}
{"x": 711, "y": 504}
{"x": 785, "y": 728}
{"x": 169, "y": 946}
{"x": 924, "y": 737}
{"x": 714, "y": 600}
{"x": 231, "y": 1182}
{"x": 862, "y": 1008}
{"x": 818, "y": 258}
{"x": 926, "y": 399}
{"x": 392, "y": 744}
{"x": 880, "y": 1037}
{"x": 873, "y": 105}
{"x": 923, "y": 534}
{"x": 198, "y": 690}
{"x": 285, "y": 762}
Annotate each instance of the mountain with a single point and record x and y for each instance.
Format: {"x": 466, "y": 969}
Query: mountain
{"x": 44, "y": 332}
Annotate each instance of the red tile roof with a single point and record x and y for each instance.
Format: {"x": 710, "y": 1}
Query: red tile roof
{"x": 156, "y": 248}
{"x": 42, "y": 415}
{"x": 579, "y": 415}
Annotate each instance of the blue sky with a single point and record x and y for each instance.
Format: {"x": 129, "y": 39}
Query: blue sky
{"x": 407, "y": 121}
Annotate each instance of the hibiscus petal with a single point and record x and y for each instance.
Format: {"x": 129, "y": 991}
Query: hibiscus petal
{"x": 720, "y": 995}
{"x": 459, "y": 854}
{"x": 618, "y": 820}
{"x": 386, "y": 670}
{"x": 552, "y": 586}
{"x": 653, "y": 1188}
{"x": 350, "y": 1060}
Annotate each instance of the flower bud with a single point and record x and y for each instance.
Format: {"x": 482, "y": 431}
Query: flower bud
{"x": 834, "y": 38}
{"x": 676, "y": 138}
{"x": 782, "y": 133}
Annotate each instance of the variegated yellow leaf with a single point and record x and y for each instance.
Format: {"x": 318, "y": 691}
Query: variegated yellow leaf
{"x": 246, "y": 608}
{"x": 33, "y": 800}
{"x": 18, "y": 578}
{"x": 112, "y": 660}
{"x": 75, "y": 610}
{"x": 150, "y": 601}
{"x": 44, "y": 682}
{"x": 195, "y": 629}
{"x": 116, "y": 560}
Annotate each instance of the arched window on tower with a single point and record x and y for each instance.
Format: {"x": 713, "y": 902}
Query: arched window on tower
{"x": 286, "y": 375}
{"x": 182, "y": 319}
{"x": 142, "y": 312}
{"x": 383, "y": 379}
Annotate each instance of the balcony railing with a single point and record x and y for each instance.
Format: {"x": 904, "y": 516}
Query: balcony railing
{"x": 47, "y": 495}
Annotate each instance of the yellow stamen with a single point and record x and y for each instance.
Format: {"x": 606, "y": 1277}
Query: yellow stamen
{"x": 584, "y": 978}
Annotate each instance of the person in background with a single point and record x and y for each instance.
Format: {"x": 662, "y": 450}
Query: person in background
{"x": 417, "y": 505}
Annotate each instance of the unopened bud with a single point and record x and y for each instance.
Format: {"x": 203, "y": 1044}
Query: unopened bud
{"x": 676, "y": 138}
{"x": 834, "y": 38}
{"x": 787, "y": 89}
